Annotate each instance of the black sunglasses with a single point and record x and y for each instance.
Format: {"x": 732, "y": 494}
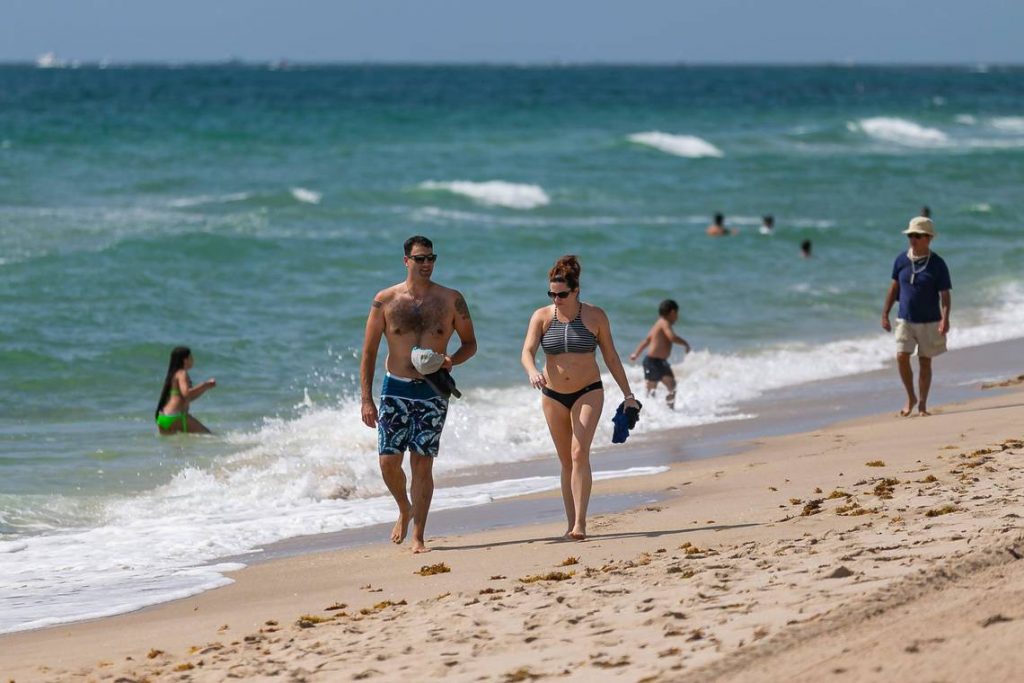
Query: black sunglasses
{"x": 560, "y": 295}
{"x": 917, "y": 235}
{"x": 423, "y": 258}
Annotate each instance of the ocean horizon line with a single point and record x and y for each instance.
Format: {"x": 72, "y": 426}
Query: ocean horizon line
{"x": 287, "y": 62}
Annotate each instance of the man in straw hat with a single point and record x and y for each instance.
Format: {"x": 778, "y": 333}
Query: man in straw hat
{"x": 920, "y": 281}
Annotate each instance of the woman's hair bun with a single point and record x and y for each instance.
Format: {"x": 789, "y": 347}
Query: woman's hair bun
{"x": 566, "y": 269}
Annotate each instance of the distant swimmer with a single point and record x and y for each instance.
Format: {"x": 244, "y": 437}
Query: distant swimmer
{"x": 717, "y": 227}
{"x": 660, "y": 340}
{"x": 767, "y": 225}
{"x": 926, "y": 211}
{"x": 415, "y": 316}
{"x": 570, "y": 331}
{"x": 805, "y": 249}
{"x": 921, "y": 284}
{"x": 172, "y": 415}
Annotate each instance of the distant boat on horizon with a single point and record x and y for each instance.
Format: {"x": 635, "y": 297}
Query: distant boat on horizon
{"x": 49, "y": 60}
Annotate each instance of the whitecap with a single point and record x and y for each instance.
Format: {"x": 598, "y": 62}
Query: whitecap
{"x": 966, "y": 119}
{"x": 494, "y": 192}
{"x": 1008, "y": 124}
{"x": 306, "y": 196}
{"x": 689, "y": 146}
{"x": 901, "y": 131}
{"x": 981, "y": 207}
{"x": 186, "y": 202}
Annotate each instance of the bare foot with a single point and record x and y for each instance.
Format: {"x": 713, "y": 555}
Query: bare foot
{"x": 909, "y": 409}
{"x": 577, "y": 534}
{"x": 401, "y": 528}
{"x": 923, "y": 411}
{"x": 419, "y": 547}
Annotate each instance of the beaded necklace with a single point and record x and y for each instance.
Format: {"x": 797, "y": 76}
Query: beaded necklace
{"x": 914, "y": 270}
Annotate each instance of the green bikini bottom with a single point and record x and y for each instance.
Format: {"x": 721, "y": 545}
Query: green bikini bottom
{"x": 166, "y": 422}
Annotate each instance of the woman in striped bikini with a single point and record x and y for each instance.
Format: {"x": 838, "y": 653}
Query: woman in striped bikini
{"x": 570, "y": 331}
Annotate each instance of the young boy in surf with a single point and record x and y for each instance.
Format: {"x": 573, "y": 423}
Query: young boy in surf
{"x": 660, "y": 340}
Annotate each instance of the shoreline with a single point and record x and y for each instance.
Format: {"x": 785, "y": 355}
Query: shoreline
{"x": 789, "y": 410}
{"x": 782, "y": 411}
{"x": 729, "y": 488}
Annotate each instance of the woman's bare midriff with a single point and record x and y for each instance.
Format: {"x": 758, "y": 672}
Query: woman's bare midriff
{"x": 175, "y": 403}
{"x": 174, "y": 406}
{"x": 569, "y": 372}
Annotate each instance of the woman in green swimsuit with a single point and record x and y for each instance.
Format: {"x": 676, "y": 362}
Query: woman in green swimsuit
{"x": 172, "y": 411}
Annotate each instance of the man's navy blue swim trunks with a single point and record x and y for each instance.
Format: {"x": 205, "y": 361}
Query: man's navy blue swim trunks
{"x": 411, "y": 417}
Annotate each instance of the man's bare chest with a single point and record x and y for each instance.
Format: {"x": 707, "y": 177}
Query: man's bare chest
{"x": 405, "y": 315}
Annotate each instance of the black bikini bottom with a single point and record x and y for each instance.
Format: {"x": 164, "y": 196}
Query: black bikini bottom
{"x": 569, "y": 400}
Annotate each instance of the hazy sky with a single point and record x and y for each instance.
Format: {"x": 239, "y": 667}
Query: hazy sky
{"x": 790, "y": 31}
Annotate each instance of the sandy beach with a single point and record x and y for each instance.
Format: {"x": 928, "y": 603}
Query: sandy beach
{"x": 251, "y": 209}
{"x": 875, "y": 549}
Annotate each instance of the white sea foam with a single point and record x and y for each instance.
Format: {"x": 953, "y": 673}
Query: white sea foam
{"x": 689, "y": 146}
{"x": 494, "y": 192}
{"x": 901, "y": 131}
{"x": 981, "y": 207}
{"x": 436, "y": 214}
{"x": 306, "y": 196}
{"x": 154, "y": 547}
{"x": 966, "y": 119}
{"x": 317, "y": 472}
{"x": 1008, "y": 124}
{"x": 186, "y": 202}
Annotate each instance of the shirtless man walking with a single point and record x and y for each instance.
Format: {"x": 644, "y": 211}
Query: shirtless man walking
{"x": 413, "y": 313}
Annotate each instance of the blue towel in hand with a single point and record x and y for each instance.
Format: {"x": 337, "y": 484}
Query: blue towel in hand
{"x": 625, "y": 419}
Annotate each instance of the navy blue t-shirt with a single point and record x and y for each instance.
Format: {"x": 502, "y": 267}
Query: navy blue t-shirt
{"x": 919, "y": 302}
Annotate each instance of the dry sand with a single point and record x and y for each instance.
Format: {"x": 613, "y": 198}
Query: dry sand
{"x": 876, "y": 550}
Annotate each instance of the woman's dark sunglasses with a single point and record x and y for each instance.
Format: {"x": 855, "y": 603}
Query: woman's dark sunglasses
{"x": 423, "y": 258}
{"x": 560, "y": 295}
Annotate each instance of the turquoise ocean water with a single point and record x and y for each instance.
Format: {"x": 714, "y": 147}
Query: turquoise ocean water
{"x": 252, "y": 213}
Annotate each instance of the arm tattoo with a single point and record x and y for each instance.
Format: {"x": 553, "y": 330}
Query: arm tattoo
{"x": 461, "y": 308}
{"x": 377, "y": 304}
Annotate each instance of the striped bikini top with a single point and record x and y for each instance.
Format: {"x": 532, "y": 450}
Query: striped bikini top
{"x": 570, "y": 337}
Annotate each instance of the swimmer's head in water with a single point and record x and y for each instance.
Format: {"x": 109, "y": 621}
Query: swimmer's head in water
{"x": 668, "y": 309}
{"x": 769, "y": 220}
{"x": 719, "y": 219}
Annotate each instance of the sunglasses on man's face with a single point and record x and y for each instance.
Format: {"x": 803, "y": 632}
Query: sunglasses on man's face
{"x": 560, "y": 295}
{"x": 917, "y": 236}
{"x": 423, "y": 258}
